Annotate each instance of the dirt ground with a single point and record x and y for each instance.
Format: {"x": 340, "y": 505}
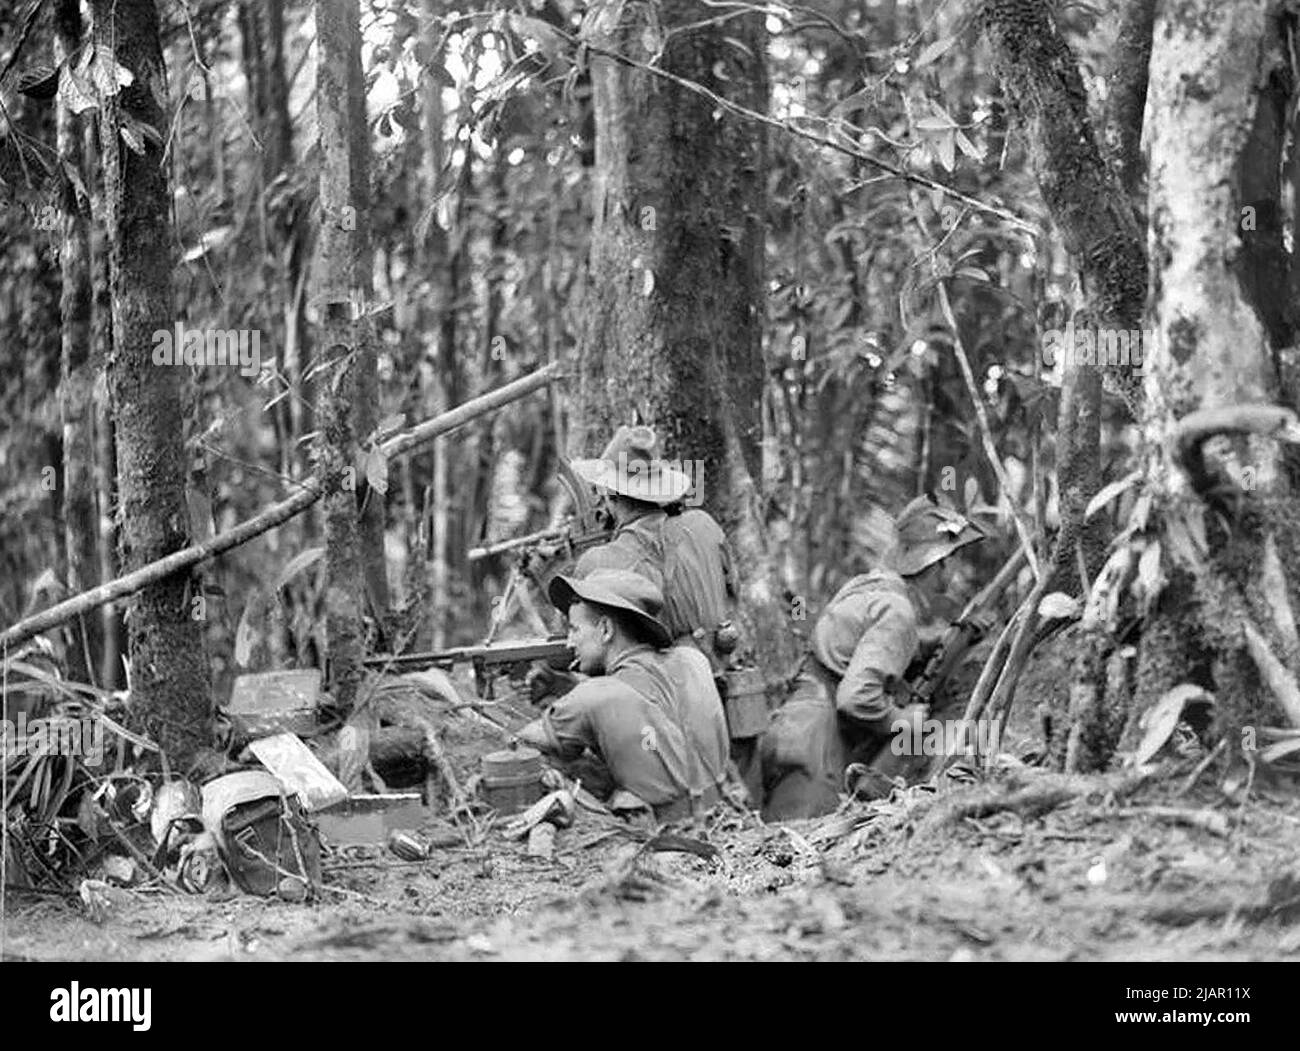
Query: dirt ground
{"x": 1093, "y": 879}
{"x": 1023, "y": 865}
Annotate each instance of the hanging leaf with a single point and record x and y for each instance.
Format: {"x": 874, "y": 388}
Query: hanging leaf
{"x": 1058, "y": 606}
{"x": 1141, "y": 512}
{"x": 377, "y": 471}
{"x": 1107, "y": 493}
{"x": 851, "y": 104}
{"x": 946, "y": 151}
{"x": 300, "y": 562}
{"x": 1150, "y": 580}
{"x": 973, "y": 151}
{"x": 47, "y": 581}
{"x": 549, "y": 40}
{"x": 75, "y": 93}
{"x": 246, "y": 633}
{"x": 135, "y": 133}
{"x": 1158, "y": 722}
{"x": 1185, "y": 535}
{"x": 108, "y": 75}
{"x": 934, "y": 50}
{"x": 1103, "y": 600}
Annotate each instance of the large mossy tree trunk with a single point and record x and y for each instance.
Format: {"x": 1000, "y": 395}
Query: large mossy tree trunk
{"x": 1224, "y": 510}
{"x": 675, "y": 296}
{"x": 170, "y": 680}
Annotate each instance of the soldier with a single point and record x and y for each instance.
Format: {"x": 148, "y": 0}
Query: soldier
{"x": 683, "y": 550}
{"x": 843, "y": 707}
{"x": 649, "y": 713}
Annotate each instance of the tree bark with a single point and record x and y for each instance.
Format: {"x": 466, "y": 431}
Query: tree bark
{"x": 170, "y": 679}
{"x": 1213, "y": 145}
{"x": 1040, "y": 79}
{"x": 674, "y": 305}
{"x": 1127, "y": 96}
{"x": 339, "y": 302}
{"x": 77, "y": 377}
{"x": 370, "y": 523}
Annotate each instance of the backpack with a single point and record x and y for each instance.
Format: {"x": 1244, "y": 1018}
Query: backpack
{"x": 265, "y": 838}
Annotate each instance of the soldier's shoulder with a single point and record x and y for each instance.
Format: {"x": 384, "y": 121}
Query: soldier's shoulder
{"x": 689, "y": 656}
{"x": 699, "y": 521}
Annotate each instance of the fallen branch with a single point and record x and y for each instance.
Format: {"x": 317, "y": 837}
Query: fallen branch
{"x": 311, "y": 491}
{"x": 1206, "y": 820}
{"x": 1043, "y": 794}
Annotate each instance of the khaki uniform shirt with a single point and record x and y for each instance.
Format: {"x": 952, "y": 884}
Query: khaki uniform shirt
{"x": 867, "y": 635}
{"x": 655, "y": 718}
{"x": 686, "y": 556}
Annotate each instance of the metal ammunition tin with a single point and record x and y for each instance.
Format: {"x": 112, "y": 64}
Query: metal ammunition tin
{"x": 512, "y": 779}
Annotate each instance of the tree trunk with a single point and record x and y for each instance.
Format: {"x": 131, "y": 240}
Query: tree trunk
{"x": 77, "y": 379}
{"x": 370, "y": 524}
{"x": 676, "y": 273}
{"x": 337, "y": 265}
{"x": 1040, "y": 77}
{"x": 1214, "y": 146}
{"x": 1127, "y": 94}
{"x": 433, "y": 268}
{"x": 170, "y": 680}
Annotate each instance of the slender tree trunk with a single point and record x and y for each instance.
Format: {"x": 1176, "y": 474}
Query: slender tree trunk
{"x": 170, "y": 680}
{"x": 433, "y": 268}
{"x": 77, "y": 379}
{"x": 676, "y": 273}
{"x": 339, "y": 300}
{"x": 1127, "y": 94}
{"x": 371, "y": 522}
{"x": 1040, "y": 76}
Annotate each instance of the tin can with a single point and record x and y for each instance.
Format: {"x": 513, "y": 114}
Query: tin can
{"x": 406, "y": 846}
{"x": 512, "y": 779}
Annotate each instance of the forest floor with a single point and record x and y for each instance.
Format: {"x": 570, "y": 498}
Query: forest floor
{"x": 1093, "y": 879}
{"x": 1027, "y": 865}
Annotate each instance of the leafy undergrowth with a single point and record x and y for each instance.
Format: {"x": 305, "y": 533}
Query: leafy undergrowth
{"x": 1030, "y": 866}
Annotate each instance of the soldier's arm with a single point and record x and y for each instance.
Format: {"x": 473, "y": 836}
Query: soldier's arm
{"x": 565, "y": 730}
{"x": 882, "y": 654}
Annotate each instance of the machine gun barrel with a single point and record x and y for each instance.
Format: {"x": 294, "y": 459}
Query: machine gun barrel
{"x": 495, "y": 654}
{"x": 514, "y": 543}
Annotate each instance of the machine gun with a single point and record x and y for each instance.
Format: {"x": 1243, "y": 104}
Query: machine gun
{"x": 488, "y": 659}
{"x": 961, "y": 634}
{"x": 545, "y": 554}
{"x": 549, "y": 551}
